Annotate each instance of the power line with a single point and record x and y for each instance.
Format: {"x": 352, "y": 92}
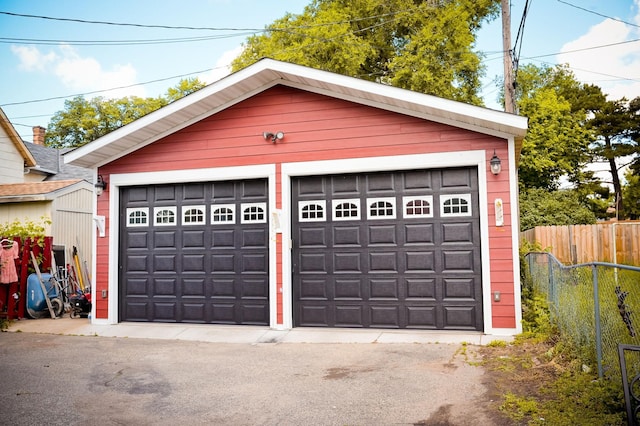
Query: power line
{"x": 599, "y": 14}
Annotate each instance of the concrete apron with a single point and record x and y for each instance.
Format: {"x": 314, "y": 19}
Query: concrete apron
{"x": 245, "y": 334}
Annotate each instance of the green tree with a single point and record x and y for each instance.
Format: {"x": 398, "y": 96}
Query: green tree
{"x": 540, "y": 207}
{"x": 422, "y": 45}
{"x": 83, "y": 121}
{"x": 631, "y": 193}
{"x": 616, "y": 125}
{"x": 558, "y": 141}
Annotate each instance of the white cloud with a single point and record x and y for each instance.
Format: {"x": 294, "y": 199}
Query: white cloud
{"x": 80, "y": 74}
{"x": 613, "y": 68}
{"x": 31, "y": 59}
{"x": 222, "y": 67}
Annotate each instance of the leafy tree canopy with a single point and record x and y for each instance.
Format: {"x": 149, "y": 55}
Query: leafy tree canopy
{"x": 557, "y": 142}
{"x": 540, "y": 207}
{"x": 421, "y": 45}
{"x": 83, "y": 121}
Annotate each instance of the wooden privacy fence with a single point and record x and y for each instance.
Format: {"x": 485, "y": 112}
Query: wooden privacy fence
{"x": 614, "y": 242}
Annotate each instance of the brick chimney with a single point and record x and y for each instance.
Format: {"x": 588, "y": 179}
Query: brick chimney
{"x": 38, "y": 135}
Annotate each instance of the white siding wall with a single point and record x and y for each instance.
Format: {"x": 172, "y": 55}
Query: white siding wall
{"x": 22, "y": 212}
{"x": 12, "y": 169}
{"x": 73, "y": 223}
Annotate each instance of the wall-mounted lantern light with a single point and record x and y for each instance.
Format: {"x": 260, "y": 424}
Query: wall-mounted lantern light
{"x": 496, "y": 164}
{"x": 101, "y": 185}
{"x": 274, "y": 137}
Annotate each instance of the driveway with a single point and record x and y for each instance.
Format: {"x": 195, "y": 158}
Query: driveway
{"x": 60, "y": 379}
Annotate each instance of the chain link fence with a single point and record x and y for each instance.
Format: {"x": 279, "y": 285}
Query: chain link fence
{"x": 596, "y": 306}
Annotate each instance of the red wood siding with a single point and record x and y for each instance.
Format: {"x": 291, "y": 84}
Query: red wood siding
{"x": 318, "y": 128}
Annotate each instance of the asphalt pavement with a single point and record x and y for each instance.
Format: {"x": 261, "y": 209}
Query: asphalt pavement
{"x": 62, "y": 379}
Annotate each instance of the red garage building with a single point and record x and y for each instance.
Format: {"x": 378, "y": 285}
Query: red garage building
{"x": 291, "y": 197}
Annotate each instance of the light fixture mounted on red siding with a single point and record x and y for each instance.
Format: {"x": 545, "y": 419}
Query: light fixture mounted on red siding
{"x": 100, "y": 185}
{"x": 274, "y": 137}
{"x": 496, "y": 164}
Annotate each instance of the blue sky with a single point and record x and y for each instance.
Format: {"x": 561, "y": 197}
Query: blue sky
{"x": 555, "y": 31}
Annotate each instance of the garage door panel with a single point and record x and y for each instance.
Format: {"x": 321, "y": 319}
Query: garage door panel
{"x": 164, "y": 286}
{"x": 312, "y": 237}
{"x": 383, "y": 262}
{"x": 314, "y": 289}
{"x": 384, "y": 288}
{"x": 253, "y": 263}
{"x": 418, "y": 234}
{"x": 137, "y": 240}
{"x": 137, "y": 263}
{"x": 457, "y": 233}
{"x": 421, "y": 289}
{"x": 385, "y": 316}
{"x": 383, "y": 235}
{"x": 204, "y": 246}
{"x": 423, "y": 317}
{"x": 164, "y": 239}
{"x": 456, "y": 178}
{"x": 380, "y": 255}
{"x": 223, "y": 288}
{"x": 192, "y": 287}
{"x": 314, "y": 315}
{"x": 164, "y": 262}
{"x": 194, "y": 312}
{"x": 313, "y": 262}
{"x": 349, "y": 316}
{"x": 420, "y": 261}
{"x": 193, "y": 239}
{"x": 347, "y": 263}
{"x": 346, "y": 236}
{"x": 460, "y": 317}
{"x": 223, "y": 238}
{"x": 193, "y": 262}
{"x": 348, "y": 289}
{"x": 458, "y": 260}
{"x": 255, "y": 289}
{"x": 254, "y": 238}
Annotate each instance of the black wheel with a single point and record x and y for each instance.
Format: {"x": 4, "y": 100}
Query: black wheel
{"x": 74, "y": 313}
{"x": 57, "y": 306}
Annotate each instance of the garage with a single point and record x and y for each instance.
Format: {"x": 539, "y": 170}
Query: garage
{"x": 195, "y": 253}
{"x": 388, "y": 250}
{"x": 285, "y": 196}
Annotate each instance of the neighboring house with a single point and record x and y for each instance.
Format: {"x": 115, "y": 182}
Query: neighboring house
{"x": 287, "y": 196}
{"x": 36, "y": 184}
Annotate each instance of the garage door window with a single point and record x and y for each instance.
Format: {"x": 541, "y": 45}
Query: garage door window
{"x": 165, "y": 216}
{"x": 417, "y": 207}
{"x": 137, "y": 217}
{"x": 193, "y": 215}
{"x": 311, "y": 211}
{"x": 223, "y": 214}
{"x": 456, "y": 205}
{"x": 346, "y": 209}
{"x": 254, "y": 213}
{"x": 381, "y": 208}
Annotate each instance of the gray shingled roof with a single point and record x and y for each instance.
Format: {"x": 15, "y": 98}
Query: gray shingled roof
{"x": 49, "y": 161}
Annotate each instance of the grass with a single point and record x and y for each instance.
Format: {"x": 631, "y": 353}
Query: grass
{"x": 540, "y": 379}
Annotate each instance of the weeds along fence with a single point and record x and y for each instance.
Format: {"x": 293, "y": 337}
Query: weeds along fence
{"x": 595, "y": 306}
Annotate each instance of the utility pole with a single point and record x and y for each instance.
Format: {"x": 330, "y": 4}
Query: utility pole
{"x": 509, "y": 86}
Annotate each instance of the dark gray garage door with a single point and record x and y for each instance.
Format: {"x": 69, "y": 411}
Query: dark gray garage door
{"x": 195, "y": 252}
{"x": 388, "y": 250}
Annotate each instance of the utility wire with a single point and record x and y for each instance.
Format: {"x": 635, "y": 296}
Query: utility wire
{"x": 599, "y": 14}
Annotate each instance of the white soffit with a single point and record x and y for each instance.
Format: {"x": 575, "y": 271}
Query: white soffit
{"x": 268, "y": 73}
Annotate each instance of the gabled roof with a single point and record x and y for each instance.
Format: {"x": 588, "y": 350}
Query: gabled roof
{"x": 29, "y": 161}
{"x": 38, "y": 191}
{"x": 268, "y": 73}
{"x": 49, "y": 162}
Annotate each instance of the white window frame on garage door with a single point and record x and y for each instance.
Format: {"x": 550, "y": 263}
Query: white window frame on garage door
{"x": 264, "y": 171}
{"x": 476, "y": 158}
